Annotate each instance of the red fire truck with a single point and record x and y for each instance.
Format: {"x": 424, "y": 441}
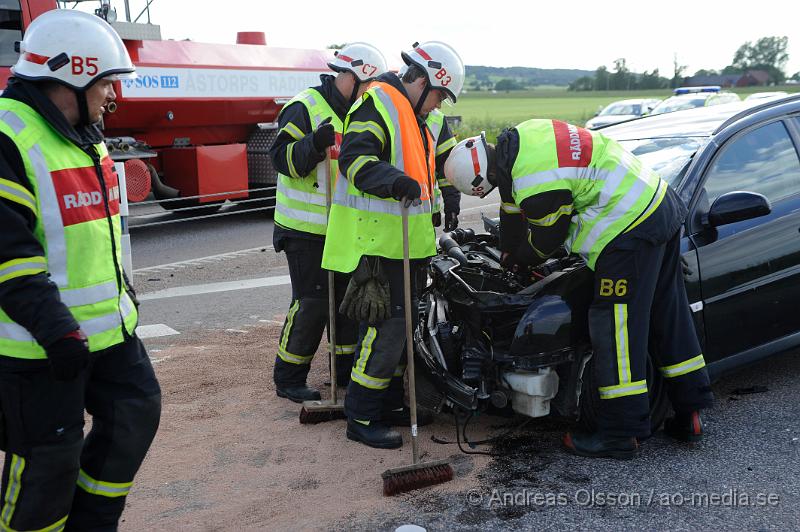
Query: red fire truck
{"x": 198, "y": 120}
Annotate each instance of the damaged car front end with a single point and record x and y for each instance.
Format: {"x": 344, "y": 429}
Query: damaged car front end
{"x": 488, "y": 336}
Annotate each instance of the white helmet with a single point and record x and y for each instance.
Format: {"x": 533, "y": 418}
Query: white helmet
{"x": 364, "y": 60}
{"x": 73, "y": 48}
{"x": 441, "y": 64}
{"x": 467, "y": 167}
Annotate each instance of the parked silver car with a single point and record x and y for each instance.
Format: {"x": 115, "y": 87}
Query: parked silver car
{"x": 622, "y": 110}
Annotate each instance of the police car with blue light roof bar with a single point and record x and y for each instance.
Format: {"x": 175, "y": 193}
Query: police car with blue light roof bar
{"x": 691, "y": 97}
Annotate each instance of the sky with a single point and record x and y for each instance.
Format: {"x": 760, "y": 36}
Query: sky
{"x": 565, "y": 34}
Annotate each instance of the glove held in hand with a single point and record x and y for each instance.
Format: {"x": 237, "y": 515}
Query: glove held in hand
{"x": 367, "y": 295}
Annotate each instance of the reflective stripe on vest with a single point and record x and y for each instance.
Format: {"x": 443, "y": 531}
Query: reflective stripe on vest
{"x": 363, "y": 224}
{"x": 610, "y": 187}
{"x": 73, "y": 228}
{"x": 300, "y": 201}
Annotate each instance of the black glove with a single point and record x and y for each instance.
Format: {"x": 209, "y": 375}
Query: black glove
{"x": 405, "y": 188}
{"x": 68, "y": 356}
{"x": 324, "y": 136}
{"x": 437, "y": 219}
{"x": 450, "y": 221}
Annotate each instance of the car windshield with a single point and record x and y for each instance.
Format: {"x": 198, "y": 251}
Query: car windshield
{"x": 622, "y": 109}
{"x": 667, "y": 156}
{"x": 678, "y": 104}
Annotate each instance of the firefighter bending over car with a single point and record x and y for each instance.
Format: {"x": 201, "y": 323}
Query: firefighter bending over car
{"x": 68, "y": 321}
{"x": 311, "y": 124}
{"x": 387, "y": 161}
{"x": 564, "y": 185}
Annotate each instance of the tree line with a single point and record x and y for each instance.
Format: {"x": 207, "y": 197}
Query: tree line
{"x": 767, "y": 54}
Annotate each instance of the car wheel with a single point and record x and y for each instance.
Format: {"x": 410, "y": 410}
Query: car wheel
{"x": 590, "y": 402}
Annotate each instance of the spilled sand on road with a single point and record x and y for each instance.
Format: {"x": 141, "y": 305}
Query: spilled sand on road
{"x": 232, "y": 455}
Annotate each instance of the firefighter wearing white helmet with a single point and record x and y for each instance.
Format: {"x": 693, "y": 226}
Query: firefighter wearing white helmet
{"x": 310, "y": 125}
{"x": 442, "y": 66}
{"x": 564, "y": 185}
{"x": 74, "y": 49}
{"x": 387, "y": 161}
{"x": 68, "y": 319}
{"x": 445, "y": 194}
{"x": 362, "y": 60}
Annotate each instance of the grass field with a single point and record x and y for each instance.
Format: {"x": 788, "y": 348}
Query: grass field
{"x": 482, "y": 110}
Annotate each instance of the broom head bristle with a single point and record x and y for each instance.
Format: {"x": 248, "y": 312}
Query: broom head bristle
{"x": 314, "y": 412}
{"x": 416, "y": 476}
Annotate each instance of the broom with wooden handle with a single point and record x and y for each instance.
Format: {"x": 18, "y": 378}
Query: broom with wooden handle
{"x": 418, "y": 474}
{"x": 321, "y": 411}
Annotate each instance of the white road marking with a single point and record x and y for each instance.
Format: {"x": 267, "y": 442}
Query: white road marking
{"x": 184, "y": 263}
{"x": 210, "y": 288}
{"x": 236, "y": 331}
{"x": 484, "y": 207}
{"x": 154, "y": 331}
{"x": 272, "y": 322}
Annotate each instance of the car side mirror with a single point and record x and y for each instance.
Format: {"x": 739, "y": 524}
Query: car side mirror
{"x": 737, "y": 206}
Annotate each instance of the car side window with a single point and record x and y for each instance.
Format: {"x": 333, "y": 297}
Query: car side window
{"x": 763, "y": 160}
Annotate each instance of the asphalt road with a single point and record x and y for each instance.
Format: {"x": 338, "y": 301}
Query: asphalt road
{"x": 744, "y": 476}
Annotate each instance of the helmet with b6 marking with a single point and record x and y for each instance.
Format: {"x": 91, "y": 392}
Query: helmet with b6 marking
{"x": 73, "y": 48}
{"x": 442, "y": 65}
{"x": 364, "y": 60}
{"x": 469, "y": 167}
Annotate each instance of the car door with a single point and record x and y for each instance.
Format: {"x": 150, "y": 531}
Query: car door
{"x": 750, "y": 270}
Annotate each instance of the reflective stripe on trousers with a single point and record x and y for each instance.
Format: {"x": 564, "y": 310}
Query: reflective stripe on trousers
{"x": 623, "y": 360}
{"x": 102, "y": 488}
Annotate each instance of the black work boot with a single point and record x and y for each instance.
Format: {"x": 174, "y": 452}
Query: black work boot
{"x": 685, "y": 426}
{"x": 375, "y": 434}
{"x": 596, "y": 445}
{"x": 401, "y": 417}
{"x": 298, "y": 393}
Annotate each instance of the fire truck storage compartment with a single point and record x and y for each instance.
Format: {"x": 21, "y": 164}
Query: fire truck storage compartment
{"x": 201, "y": 170}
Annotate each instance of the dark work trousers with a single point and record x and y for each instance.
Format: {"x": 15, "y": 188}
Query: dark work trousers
{"x": 376, "y": 380}
{"x": 308, "y": 316}
{"x": 640, "y": 307}
{"x": 47, "y": 456}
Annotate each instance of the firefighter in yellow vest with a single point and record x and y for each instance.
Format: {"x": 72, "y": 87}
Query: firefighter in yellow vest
{"x": 564, "y": 185}
{"x": 310, "y": 124}
{"x": 67, "y": 315}
{"x": 447, "y": 198}
{"x": 387, "y": 160}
